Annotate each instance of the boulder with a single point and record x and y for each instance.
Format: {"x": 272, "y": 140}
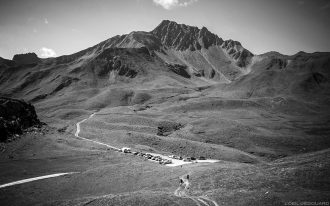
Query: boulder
{"x": 15, "y": 117}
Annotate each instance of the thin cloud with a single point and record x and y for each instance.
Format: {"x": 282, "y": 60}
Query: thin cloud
{"x": 46, "y": 52}
{"x": 46, "y": 21}
{"x": 170, "y": 4}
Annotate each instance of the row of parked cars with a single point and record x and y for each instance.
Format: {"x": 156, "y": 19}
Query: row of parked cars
{"x": 159, "y": 159}
{"x": 188, "y": 159}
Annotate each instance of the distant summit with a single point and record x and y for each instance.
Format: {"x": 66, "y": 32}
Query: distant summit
{"x": 183, "y": 37}
{"x": 28, "y": 58}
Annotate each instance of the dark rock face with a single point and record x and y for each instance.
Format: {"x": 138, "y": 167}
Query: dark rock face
{"x": 235, "y": 50}
{"x": 15, "y": 117}
{"x": 65, "y": 81}
{"x": 182, "y": 37}
{"x": 277, "y": 63}
{"x": 179, "y": 69}
{"x": 29, "y": 58}
{"x": 115, "y": 59}
{"x": 166, "y": 128}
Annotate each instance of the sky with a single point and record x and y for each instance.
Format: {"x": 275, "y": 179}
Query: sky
{"x": 60, "y": 27}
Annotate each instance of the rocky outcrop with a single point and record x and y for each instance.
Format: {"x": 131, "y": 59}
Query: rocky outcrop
{"x": 277, "y": 63}
{"x": 182, "y": 37}
{"x": 140, "y": 39}
{"x": 28, "y": 58}
{"x": 167, "y": 128}
{"x": 235, "y": 50}
{"x": 15, "y": 117}
{"x": 179, "y": 69}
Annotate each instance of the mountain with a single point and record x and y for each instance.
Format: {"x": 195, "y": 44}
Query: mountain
{"x": 176, "y": 90}
{"x": 172, "y": 55}
{"x": 182, "y": 54}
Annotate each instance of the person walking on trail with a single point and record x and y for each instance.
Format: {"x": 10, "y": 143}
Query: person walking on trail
{"x": 187, "y": 177}
{"x": 181, "y": 181}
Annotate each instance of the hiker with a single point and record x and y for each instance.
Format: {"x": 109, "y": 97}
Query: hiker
{"x": 187, "y": 177}
{"x": 181, "y": 181}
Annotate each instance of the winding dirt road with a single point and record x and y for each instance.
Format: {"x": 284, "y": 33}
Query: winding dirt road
{"x": 35, "y": 179}
{"x": 175, "y": 162}
{"x": 100, "y": 143}
{"x": 184, "y": 189}
{"x": 57, "y": 174}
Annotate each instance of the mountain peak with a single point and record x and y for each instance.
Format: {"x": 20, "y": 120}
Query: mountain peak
{"x": 28, "y": 58}
{"x": 183, "y": 37}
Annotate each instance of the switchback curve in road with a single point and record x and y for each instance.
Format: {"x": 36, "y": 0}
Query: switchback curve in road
{"x": 183, "y": 191}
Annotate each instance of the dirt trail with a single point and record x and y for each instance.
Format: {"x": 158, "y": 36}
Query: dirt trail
{"x": 35, "y": 179}
{"x": 175, "y": 162}
{"x": 100, "y": 143}
{"x": 183, "y": 191}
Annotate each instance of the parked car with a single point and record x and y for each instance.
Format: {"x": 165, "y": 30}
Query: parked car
{"x": 168, "y": 162}
{"x": 176, "y": 157}
{"x": 188, "y": 159}
{"x": 193, "y": 158}
{"x": 126, "y": 150}
{"x": 202, "y": 158}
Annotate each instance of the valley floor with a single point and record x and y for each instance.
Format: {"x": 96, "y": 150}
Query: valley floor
{"x": 264, "y": 173}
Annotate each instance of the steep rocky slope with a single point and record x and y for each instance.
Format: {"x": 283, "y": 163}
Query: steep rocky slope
{"x": 15, "y": 116}
{"x": 182, "y": 37}
{"x": 171, "y": 56}
{"x": 29, "y": 58}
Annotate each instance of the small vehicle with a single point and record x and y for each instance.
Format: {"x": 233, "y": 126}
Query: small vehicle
{"x": 126, "y": 150}
{"x": 188, "y": 159}
{"x": 167, "y": 162}
{"x": 176, "y": 157}
{"x": 202, "y": 158}
{"x": 193, "y": 158}
{"x": 149, "y": 156}
{"x": 135, "y": 153}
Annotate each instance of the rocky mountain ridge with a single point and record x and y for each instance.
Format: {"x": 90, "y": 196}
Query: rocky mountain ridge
{"x": 171, "y": 55}
{"x": 28, "y": 58}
